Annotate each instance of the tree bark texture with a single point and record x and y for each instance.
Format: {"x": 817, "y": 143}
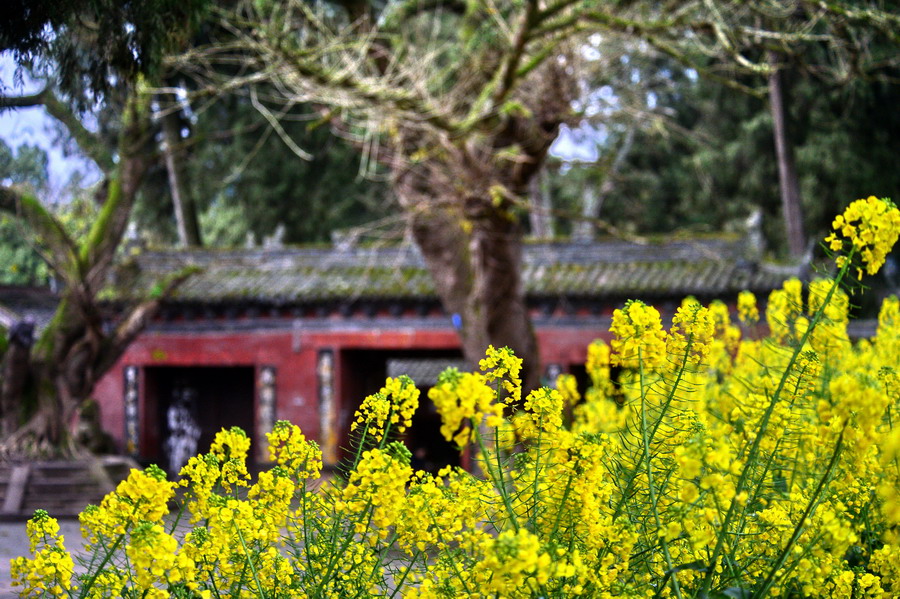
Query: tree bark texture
{"x": 14, "y": 373}
{"x": 471, "y": 240}
{"x": 473, "y": 251}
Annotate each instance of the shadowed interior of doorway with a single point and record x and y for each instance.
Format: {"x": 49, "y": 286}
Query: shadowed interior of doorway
{"x": 365, "y": 373}
{"x": 191, "y": 404}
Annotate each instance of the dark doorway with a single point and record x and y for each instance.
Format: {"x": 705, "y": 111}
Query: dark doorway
{"x": 192, "y": 404}
{"x": 364, "y": 373}
{"x": 430, "y": 451}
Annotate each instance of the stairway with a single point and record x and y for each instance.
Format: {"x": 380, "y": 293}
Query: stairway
{"x": 63, "y": 488}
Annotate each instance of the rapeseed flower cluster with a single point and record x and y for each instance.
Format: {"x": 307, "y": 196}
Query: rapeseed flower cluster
{"x": 503, "y": 366}
{"x": 691, "y": 334}
{"x": 393, "y": 405}
{"x": 639, "y": 338}
{"x": 49, "y": 572}
{"x": 464, "y": 399}
{"x": 714, "y": 461}
{"x": 748, "y": 312}
{"x": 544, "y": 406}
{"x": 869, "y": 228}
{"x": 289, "y": 449}
{"x": 597, "y": 363}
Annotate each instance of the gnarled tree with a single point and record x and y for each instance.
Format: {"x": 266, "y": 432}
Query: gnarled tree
{"x": 44, "y": 380}
{"x": 95, "y": 50}
{"x": 461, "y": 101}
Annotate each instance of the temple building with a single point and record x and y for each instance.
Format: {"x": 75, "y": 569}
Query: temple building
{"x": 304, "y": 334}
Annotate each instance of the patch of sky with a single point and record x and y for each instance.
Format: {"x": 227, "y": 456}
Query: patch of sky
{"x": 580, "y": 143}
{"x": 33, "y": 126}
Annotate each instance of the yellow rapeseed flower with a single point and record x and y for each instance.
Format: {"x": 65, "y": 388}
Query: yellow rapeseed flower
{"x": 597, "y": 363}
{"x": 748, "y": 313}
{"x": 692, "y": 331}
{"x": 50, "y": 571}
{"x": 639, "y": 336}
{"x": 461, "y": 399}
{"x": 870, "y": 228}
{"x": 289, "y": 448}
{"x": 545, "y": 406}
{"x": 501, "y": 364}
{"x": 230, "y": 447}
{"x": 392, "y": 406}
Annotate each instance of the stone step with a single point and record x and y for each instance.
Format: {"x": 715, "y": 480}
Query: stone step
{"x": 63, "y": 488}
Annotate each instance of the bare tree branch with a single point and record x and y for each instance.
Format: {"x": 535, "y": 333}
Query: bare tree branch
{"x": 276, "y": 126}
{"x": 87, "y": 141}
{"x": 63, "y": 251}
{"x": 136, "y": 320}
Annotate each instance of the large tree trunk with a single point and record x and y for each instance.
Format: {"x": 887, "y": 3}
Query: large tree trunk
{"x": 473, "y": 248}
{"x": 42, "y": 388}
{"x": 788, "y": 180}
{"x": 462, "y": 205}
{"x": 14, "y": 374}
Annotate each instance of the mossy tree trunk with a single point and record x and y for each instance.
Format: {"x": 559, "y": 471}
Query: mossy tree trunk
{"x": 45, "y": 379}
{"x": 473, "y": 249}
{"x": 465, "y": 207}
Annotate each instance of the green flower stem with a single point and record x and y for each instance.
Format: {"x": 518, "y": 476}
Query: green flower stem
{"x": 501, "y": 484}
{"x": 387, "y": 427}
{"x": 559, "y": 512}
{"x": 359, "y": 447}
{"x": 399, "y": 584}
{"x": 304, "y": 510}
{"x": 757, "y": 491}
{"x": 368, "y": 511}
{"x": 106, "y": 559}
{"x": 801, "y": 525}
{"x": 537, "y": 472}
{"x": 649, "y": 469}
{"x": 763, "y": 425}
{"x": 655, "y": 427}
{"x": 456, "y": 569}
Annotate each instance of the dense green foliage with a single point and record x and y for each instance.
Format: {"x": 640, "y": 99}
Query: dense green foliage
{"x": 94, "y": 44}
{"x": 711, "y": 160}
{"x": 727, "y": 165}
{"x": 21, "y": 264}
{"x": 245, "y": 180}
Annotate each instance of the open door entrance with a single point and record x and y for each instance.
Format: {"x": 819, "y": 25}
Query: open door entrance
{"x": 191, "y": 404}
{"x": 365, "y": 372}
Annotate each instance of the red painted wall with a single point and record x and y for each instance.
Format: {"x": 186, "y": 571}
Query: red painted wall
{"x": 294, "y": 354}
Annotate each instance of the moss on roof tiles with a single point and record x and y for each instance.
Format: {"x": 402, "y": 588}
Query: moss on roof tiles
{"x": 603, "y": 269}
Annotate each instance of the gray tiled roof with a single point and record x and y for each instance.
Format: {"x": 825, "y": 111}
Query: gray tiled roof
{"x": 602, "y": 269}
{"x": 20, "y": 302}
{"x": 424, "y": 371}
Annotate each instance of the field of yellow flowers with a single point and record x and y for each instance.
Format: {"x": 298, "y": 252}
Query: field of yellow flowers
{"x": 718, "y": 462}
